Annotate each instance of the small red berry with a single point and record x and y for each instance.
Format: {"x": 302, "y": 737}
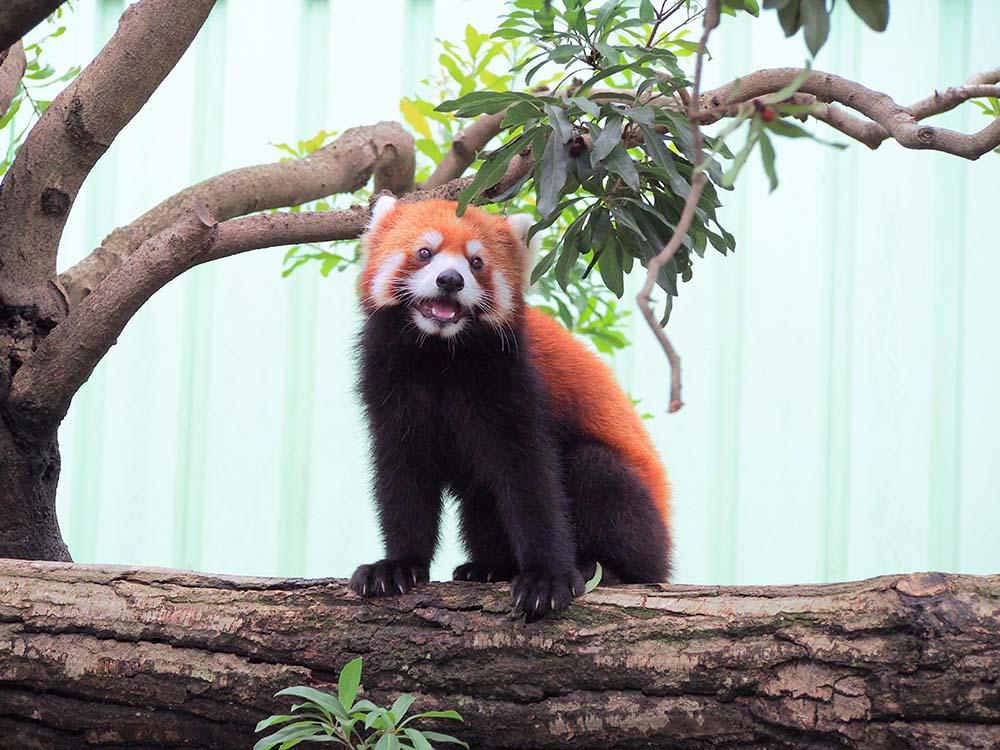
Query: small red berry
{"x": 768, "y": 114}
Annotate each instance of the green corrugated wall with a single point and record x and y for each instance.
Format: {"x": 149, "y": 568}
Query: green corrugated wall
{"x": 842, "y": 416}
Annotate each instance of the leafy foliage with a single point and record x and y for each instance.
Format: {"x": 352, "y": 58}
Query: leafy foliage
{"x": 358, "y": 725}
{"x": 613, "y": 150}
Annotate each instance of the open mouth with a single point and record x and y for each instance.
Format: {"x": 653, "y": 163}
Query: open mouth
{"x": 441, "y": 310}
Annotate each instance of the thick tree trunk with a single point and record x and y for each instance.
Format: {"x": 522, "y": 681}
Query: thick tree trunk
{"x": 29, "y": 457}
{"x": 29, "y": 529}
{"x": 94, "y": 657}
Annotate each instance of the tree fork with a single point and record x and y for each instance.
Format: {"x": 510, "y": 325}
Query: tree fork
{"x": 101, "y": 657}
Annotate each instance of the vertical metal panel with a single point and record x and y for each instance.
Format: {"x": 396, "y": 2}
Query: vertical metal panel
{"x": 840, "y": 370}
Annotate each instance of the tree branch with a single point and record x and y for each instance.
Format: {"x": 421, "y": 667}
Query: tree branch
{"x": 12, "y": 64}
{"x": 698, "y": 180}
{"x": 43, "y": 387}
{"x": 886, "y": 118}
{"x": 76, "y": 130}
{"x": 464, "y": 148}
{"x": 18, "y": 17}
{"x": 892, "y": 662}
{"x": 346, "y": 165}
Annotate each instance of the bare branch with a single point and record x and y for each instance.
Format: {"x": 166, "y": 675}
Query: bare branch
{"x": 890, "y": 118}
{"x": 346, "y": 165}
{"x": 464, "y": 149}
{"x": 698, "y": 180}
{"x": 75, "y": 131}
{"x": 12, "y": 64}
{"x": 18, "y": 17}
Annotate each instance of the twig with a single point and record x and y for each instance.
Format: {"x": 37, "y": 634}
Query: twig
{"x": 698, "y": 180}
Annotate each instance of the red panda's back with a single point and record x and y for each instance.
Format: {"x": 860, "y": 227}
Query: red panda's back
{"x": 585, "y": 394}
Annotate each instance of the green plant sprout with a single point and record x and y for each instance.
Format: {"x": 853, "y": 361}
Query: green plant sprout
{"x": 359, "y": 725}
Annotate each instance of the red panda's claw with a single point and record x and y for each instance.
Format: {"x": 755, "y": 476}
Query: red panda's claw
{"x": 388, "y": 578}
{"x": 537, "y": 594}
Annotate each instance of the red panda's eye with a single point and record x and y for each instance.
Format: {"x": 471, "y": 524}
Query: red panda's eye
{"x": 424, "y": 253}
{"x": 476, "y": 263}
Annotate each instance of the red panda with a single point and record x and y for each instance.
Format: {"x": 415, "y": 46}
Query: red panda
{"x": 469, "y": 390}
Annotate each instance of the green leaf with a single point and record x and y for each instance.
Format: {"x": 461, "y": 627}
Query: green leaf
{"x": 608, "y": 138}
{"x": 619, "y": 162}
{"x": 324, "y": 700}
{"x": 816, "y": 21}
{"x": 472, "y": 39}
{"x": 561, "y": 126}
{"x": 551, "y": 175}
{"x": 446, "y": 738}
{"x": 290, "y": 734}
{"x": 875, "y": 13}
{"x": 449, "y": 714}
{"x": 349, "y": 682}
{"x": 789, "y": 17}
{"x": 272, "y": 720}
{"x": 402, "y": 705}
{"x": 388, "y": 742}
{"x": 419, "y": 741}
{"x": 791, "y": 130}
{"x": 586, "y": 105}
{"x": 415, "y": 118}
{"x": 767, "y": 156}
{"x": 593, "y": 582}
{"x": 610, "y": 266}
{"x": 491, "y": 171}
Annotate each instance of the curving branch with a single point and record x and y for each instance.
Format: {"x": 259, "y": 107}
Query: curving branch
{"x": 384, "y": 149}
{"x": 464, "y": 148}
{"x": 885, "y": 117}
{"x": 12, "y": 64}
{"x": 75, "y": 131}
{"x": 43, "y": 387}
{"x": 698, "y": 180}
{"x": 18, "y": 17}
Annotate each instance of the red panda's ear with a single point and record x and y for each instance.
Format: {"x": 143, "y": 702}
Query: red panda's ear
{"x": 520, "y": 225}
{"x": 382, "y": 207}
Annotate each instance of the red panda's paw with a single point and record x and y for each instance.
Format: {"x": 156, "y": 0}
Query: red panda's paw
{"x": 539, "y": 593}
{"x": 484, "y": 572}
{"x": 388, "y": 578}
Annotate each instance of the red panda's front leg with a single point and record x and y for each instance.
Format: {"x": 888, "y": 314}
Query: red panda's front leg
{"x": 408, "y": 494}
{"x": 534, "y": 511}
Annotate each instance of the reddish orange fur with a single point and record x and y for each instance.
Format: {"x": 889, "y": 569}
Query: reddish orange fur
{"x": 584, "y": 392}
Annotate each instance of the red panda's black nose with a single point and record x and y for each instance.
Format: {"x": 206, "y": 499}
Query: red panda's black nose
{"x": 450, "y": 281}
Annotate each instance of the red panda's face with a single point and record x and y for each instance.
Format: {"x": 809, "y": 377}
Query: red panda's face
{"x": 452, "y": 273}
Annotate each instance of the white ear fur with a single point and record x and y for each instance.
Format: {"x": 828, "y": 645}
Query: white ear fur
{"x": 383, "y": 206}
{"x": 520, "y": 224}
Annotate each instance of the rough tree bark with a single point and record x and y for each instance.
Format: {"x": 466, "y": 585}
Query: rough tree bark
{"x": 100, "y": 657}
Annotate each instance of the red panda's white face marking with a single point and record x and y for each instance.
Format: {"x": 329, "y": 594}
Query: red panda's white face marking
{"x": 453, "y": 273}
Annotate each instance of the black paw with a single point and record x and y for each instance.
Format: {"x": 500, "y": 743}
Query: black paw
{"x": 538, "y": 593}
{"x": 484, "y": 572}
{"x": 388, "y": 578}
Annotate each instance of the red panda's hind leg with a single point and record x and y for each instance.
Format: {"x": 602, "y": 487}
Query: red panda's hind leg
{"x": 615, "y": 519}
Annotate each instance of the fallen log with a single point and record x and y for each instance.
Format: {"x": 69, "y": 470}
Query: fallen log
{"x": 114, "y": 657}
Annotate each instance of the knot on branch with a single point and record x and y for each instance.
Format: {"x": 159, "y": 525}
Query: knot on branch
{"x": 926, "y": 135}
{"x": 55, "y": 202}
